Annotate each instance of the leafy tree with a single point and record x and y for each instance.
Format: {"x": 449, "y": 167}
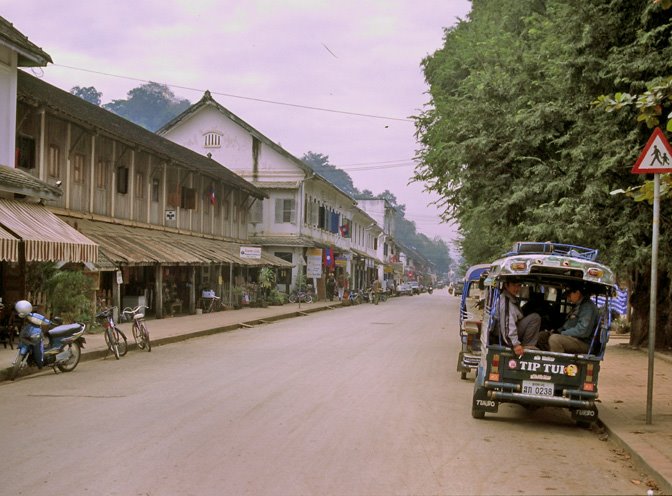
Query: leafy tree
{"x": 511, "y": 143}
{"x": 339, "y": 178}
{"x": 150, "y": 105}
{"x": 89, "y": 93}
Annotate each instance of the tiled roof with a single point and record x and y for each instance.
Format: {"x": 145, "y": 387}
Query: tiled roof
{"x": 36, "y": 92}
{"x": 30, "y": 55}
{"x": 17, "y": 181}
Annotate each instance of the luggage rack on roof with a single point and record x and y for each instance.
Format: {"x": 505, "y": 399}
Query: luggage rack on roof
{"x": 526, "y": 247}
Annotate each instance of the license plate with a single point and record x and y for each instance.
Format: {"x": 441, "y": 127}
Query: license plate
{"x": 538, "y": 388}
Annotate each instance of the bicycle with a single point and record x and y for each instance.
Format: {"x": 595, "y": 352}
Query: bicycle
{"x": 300, "y": 296}
{"x": 214, "y": 305}
{"x": 114, "y": 338}
{"x": 140, "y": 331}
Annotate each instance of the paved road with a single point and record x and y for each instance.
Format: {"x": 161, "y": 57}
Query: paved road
{"x": 359, "y": 401}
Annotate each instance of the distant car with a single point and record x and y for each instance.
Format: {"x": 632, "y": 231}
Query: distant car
{"x": 415, "y": 287}
{"x": 404, "y": 289}
{"x": 455, "y": 288}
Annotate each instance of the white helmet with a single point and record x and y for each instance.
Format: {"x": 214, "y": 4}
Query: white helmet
{"x": 23, "y": 308}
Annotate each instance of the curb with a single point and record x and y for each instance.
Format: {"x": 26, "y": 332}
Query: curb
{"x": 88, "y": 356}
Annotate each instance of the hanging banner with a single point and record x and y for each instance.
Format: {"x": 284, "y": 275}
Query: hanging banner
{"x": 314, "y": 262}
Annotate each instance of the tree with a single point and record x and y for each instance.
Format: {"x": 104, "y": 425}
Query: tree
{"x": 150, "y": 105}
{"x": 512, "y": 144}
{"x": 89, "y": 93}
{"x": 339, "y": 178}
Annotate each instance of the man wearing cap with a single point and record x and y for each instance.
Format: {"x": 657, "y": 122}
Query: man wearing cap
{"x": 575, "y": 334}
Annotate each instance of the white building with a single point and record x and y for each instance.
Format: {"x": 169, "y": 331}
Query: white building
{"x": 304, "y": 214}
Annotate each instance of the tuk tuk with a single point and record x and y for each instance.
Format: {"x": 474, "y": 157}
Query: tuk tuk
{"x": 471, "y": 318}
{"x": 544, "y": 378}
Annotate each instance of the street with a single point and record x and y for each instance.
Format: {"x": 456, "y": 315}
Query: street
{"x": 362, "y": 400}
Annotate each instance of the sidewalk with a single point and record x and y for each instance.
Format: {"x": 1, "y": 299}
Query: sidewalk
{"x": 622, "y": 386}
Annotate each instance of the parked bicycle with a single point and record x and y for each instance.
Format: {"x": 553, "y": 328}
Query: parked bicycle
{"x": 114, "y": 338}
{"x": 301, "y": 297}
{"x": 211, "y": 304}
{"x": 140, "y": 331}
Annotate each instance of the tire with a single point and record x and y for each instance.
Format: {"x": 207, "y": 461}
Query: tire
{"x": 463, "y": 375}
{"x": 75, "y": 355}
{"x": 111, "y": 342}
{"x": 122, "y": 342}
{"x": 144, "y": 337}
{"x": 477, "y": 414}
{"x": 309, "y": 299}
{"x": 138, "y": 337}
{"x": 292, "y": 298}
{"x": 16, "y": 366}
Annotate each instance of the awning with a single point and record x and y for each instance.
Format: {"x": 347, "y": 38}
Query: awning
{"x": 9, "y": 246}
{"x": 45, "y": 237}
{"x": 126, "y": 245}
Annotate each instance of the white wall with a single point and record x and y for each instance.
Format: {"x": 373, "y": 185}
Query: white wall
{"x": 8, "y": 61}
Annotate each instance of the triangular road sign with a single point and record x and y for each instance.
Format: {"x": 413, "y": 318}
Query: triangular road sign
{"x": 656, "y": 156}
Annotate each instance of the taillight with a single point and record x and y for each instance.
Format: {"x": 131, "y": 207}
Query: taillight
{"x": 494, "y": 368}
{"x": 589, "y": 385}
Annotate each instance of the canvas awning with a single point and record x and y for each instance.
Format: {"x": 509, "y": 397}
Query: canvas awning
{"x": 9, "y": 247}
{"x": 127, "y": 245}
{"x": 44, "y": 236}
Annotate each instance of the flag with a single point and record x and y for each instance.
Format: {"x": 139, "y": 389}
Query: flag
{"x": 329, "y": 258}
{"x": 211, "y": 194}
{"x": 344, "y": 230}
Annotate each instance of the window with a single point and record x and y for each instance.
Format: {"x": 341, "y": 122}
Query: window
{"x": 25, "y": 152}
{"x": 188, "y": 199}
{"x": 54, "y": 164}
{"x": 78, "y": 169}
{"x": 101, "y": 176}
{"x": 139, "y": 185}
{"x": 284, "y": 211}
{"x": 122, "y": 180}
{"x": 156, "y": 189}
{"x": 212, "y": 140}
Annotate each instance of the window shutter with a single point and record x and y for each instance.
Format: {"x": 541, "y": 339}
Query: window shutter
{"x": 278, "y": 210}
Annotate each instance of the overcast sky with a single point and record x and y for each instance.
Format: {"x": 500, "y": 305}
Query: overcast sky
{"x": 342, "y": 56}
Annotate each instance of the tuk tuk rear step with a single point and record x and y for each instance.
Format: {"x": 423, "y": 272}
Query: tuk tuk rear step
{"x": 541, "y": 400}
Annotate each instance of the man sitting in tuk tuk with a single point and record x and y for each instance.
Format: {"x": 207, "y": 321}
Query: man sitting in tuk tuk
{"x": 517, "y": 331}
{"x": 576, "y": 333}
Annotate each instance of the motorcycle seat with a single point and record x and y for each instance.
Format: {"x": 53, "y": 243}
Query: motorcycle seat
{"x": 64, "y": 330}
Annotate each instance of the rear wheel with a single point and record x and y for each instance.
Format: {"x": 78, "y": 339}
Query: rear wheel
{"x": 70, "y": 364}
{"x": 122, "y": 343}
{"x": 477, "y": 413}
{"x": 144, "y": 337}
{"x": 112, "y": 343}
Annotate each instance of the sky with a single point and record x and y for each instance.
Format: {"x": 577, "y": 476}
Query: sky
{"x": 341, "y": 78}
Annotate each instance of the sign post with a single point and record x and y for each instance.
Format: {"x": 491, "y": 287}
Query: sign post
{"x": 656, "y": 158}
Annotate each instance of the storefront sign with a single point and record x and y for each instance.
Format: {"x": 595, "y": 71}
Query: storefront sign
{"x": 253, "y": 252}
{"x": 314, "y": 262}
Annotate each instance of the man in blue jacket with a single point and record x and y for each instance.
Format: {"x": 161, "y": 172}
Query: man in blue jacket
{"x": 575, "y": 334}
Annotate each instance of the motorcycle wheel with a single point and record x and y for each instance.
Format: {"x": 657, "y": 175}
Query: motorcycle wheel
{"x": 309, "y": 299}
{"x": 71, "y": 363}
{"x": 112, "y": 343}
{"x": 16, "y": 366}
{"x": 122, "y": 342}
{"x": 292, "y": 298}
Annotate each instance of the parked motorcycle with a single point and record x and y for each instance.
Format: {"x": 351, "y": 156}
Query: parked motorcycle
{"x": 430, "y": 289}
{"x": 61, "y": 350}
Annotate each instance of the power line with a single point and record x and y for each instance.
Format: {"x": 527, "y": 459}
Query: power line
{"x": 230, "y": 95}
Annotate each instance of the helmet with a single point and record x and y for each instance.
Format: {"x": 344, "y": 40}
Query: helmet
{"x": 23, "y": 308}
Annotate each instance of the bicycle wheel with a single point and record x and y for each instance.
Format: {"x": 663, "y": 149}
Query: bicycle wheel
{"x": 111, "y": 342}
{"x": 144, "y": 332}
{"x": 138, "y": 336}
{"x": 122, "y": 342}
